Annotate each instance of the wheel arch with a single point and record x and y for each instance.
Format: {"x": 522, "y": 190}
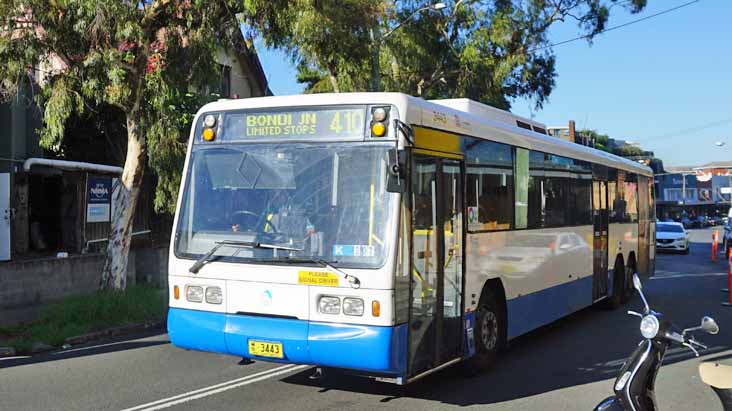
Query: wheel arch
{"x": 495, "y": 285}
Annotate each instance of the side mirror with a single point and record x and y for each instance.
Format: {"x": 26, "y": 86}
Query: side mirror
{"x": 396, "y": 181}
{"x": 709, "y": 325}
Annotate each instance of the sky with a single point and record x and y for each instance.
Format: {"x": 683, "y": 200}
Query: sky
{"x": 665, "y": 82}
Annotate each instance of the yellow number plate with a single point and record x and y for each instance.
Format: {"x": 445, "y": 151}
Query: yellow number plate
{"x": 321, "y": 278}
{"x": 266, "y": 349}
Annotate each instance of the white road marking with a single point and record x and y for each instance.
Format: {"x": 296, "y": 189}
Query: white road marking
{"x": 17, "y": 357}
{"x": 214, "y": 389}
{"x": 664, "y": 276}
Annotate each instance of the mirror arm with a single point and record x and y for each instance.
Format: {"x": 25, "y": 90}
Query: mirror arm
{"x": 688, "y": 330}
{"x": 405, "y": 130}
{"x": 645, "y": 302}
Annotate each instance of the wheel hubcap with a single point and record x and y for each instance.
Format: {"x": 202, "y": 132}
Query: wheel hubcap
{"x": 489, "y": 330}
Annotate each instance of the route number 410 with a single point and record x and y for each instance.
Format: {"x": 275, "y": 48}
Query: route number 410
{"x": 352, "y": 122}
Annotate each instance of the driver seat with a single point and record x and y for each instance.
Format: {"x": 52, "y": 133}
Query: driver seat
{"x": 719, "y": 377}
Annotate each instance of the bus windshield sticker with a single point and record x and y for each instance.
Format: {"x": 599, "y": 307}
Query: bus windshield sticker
{"x": 321, "y": 278}
{"x": 326, "y": 123}
{"x": 354, "y": 250}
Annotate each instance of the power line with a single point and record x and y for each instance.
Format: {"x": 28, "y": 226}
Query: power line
{"x": 690, "y": 130}
{"x": 586, "y": 36}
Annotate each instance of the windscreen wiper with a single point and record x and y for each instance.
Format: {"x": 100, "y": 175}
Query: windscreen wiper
{"x": 234, "y": 243}
{"x": 353, "y": 281}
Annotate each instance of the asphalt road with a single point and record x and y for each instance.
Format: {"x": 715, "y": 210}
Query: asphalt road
{"x": 567, "y": 366}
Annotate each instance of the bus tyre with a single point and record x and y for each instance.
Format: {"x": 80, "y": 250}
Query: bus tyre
{"x": 628, "y": 291}
{"x": 490, "y": 333}
{"x": 631, "y": 269}
{"x": 619, "y": 284}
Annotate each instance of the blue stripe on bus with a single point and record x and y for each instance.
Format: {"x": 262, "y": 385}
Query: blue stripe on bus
{"x": 360, "y": 347}
{"x": 531, "y": 311}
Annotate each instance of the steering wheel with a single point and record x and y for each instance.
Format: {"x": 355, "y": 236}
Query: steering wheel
{"x": 257, "y": 217}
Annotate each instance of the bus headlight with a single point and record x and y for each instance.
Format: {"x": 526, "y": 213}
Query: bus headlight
{"x": 214, "y": 295}
{"x": 329, "y": 305}
{"x": 352, "y": 306}
{"x": 194, "y": 293}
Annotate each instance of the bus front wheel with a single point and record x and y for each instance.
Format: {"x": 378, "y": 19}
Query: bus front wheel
{"x": 490, "y": 333}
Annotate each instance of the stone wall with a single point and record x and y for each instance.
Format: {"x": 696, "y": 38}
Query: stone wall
{"x": 151, "y": 265}
{"x": 39, "y": 281}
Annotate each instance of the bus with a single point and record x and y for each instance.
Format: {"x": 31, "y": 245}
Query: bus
{"x": 390, "y": 236}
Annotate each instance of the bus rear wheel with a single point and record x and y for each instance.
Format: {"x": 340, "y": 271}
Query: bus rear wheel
{"x": 629, "y": 289}
{"x": 619, "y": 286}
{"x": 490, "y": 333}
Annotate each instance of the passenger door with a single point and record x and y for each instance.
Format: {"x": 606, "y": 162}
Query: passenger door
{"x": 6, "y": 215}
{"x": 600, "y": 217}
{"x": 435, "y": 322}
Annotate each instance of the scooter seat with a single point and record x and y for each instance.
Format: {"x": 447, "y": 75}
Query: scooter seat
{"x": 716, "y": 375}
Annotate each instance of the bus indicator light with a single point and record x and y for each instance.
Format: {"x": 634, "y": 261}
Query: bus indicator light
{"x": 379, "y": 114}
{"x": 375, "y": 308}
{"x": 209, "y": 134}
{"x": 209, "y": 121}
{"x": 176, "y": 292}
{"x": 378, "y": 129}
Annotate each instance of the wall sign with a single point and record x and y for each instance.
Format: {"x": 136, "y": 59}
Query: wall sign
{"x": 98, "y": 199}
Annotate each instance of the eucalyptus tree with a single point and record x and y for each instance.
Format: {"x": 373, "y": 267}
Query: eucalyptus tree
{"x": 492, "y": 51}
{"x": 140, "y": 57}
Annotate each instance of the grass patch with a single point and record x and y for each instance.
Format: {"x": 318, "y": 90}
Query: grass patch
{"x": 87, "y": 313}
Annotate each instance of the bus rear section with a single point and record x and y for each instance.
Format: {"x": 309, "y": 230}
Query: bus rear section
{"x": 284, "y": 241}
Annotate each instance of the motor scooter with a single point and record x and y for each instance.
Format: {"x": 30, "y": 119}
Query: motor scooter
{"x": 635, "y": 385}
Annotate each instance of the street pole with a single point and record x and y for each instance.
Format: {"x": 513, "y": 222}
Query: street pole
{"x": 683, "y": 189}
{"x": 375, "y": 54}
{"x": 377, "y": 38}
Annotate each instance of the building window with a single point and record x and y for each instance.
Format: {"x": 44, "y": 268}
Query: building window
{"x": 489, "y": 185}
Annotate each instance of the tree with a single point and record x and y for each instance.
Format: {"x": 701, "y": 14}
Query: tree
{"x": 140, "y": 57}
{"x": 490, "y": 51}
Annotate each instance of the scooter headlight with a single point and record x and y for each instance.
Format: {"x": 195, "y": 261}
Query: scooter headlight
{"x": 649, "y": 326}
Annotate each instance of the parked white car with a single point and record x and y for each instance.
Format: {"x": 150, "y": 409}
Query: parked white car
{"x": 672, "y": 237}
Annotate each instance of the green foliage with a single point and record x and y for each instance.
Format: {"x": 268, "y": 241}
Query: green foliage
{"x": 87, "y": 313}
{"x": 493, "y": 52}
{"x": 145, "y": 58}
{"x": 627, "y": 151}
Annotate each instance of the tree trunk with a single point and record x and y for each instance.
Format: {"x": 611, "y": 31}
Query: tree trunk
{"x": 114, "y": 273}
{"x": 334, "y": 83}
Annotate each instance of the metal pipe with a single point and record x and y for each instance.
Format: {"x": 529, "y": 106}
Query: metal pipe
{"x": 101, "y": 240}
{"x": 70, "y": 165}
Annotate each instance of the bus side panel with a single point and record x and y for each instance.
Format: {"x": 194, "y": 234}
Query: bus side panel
{"x": 623, "y": 240}
{"x": 546, "y": 273}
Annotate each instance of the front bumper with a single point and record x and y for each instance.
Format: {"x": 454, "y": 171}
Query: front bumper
{"x": 375, "y": 349}
{"x": 675, "y": 245}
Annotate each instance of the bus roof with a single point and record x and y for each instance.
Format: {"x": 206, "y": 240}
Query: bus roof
{"x": 444, "y": 115}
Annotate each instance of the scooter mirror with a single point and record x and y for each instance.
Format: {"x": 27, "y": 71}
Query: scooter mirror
{"x": 637, "y": 282}
{"x": 709, "y": 325}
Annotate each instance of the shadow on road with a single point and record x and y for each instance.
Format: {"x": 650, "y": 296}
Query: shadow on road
{"x": 101, "y": 347}
{"x": 586, "y": 347}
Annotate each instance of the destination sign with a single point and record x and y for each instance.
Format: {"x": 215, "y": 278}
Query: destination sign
{"x": 325, "y": 123}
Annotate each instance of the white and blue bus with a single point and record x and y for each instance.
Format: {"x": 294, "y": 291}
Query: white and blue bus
{"x": 392, "y": 236}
